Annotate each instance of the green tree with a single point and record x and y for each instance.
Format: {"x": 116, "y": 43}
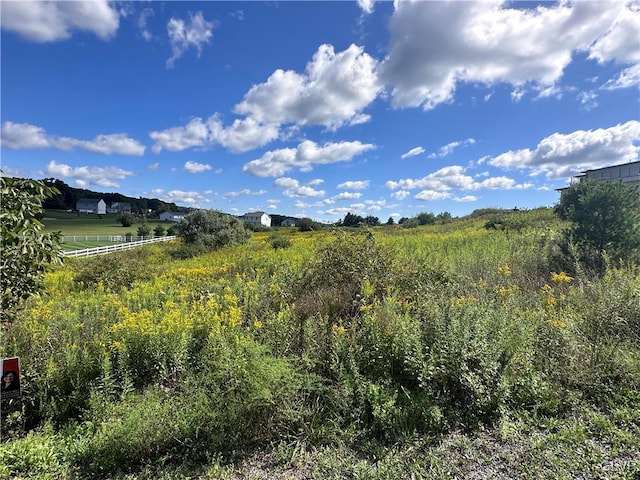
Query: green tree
{"x": 372, "y": 220}
{"x": 158, "y": 231}
{"x": 27, "y": 252}
{"x": 426, "y": 218}
{"x": 308, "y": 225}
{"x": 444, "y": 217}
{"x": 352, "y": 220}
{"x": 604, "y": 217}
{"x": 144, "y": 230}
{"x": 212, "y": 229}
{"x": 125, "y": 219}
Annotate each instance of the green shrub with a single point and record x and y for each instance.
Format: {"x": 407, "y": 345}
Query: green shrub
{"x": 38, "y": 455}
{"x": 212, "y": 229}
{"x": 278, "y": 241}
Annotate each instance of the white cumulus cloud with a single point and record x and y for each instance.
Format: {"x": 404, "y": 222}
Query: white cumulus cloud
{"x": 195, "y": 167}
{"x": 191, "y": 198}
{"x": 240, "y": 136}
{"x": 48, "y": 21}
{"x": 85, "y": 176}
{"x": 26, "y": 136}
{"x": 292, "y": 188}
{"x": 451, "y": 178}
{"x": 332, "y": 92}
{"x": 560, "y": 155}
{"x": 354, "y": 185}
{"x": 304, "y": 157}
{"x": 436, "y": 45}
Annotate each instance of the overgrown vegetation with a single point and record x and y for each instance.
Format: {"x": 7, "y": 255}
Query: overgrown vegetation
{"x": 441, "y": 351}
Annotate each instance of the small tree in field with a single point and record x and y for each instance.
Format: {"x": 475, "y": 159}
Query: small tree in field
{"x": 26, "y": 252}
{"x": 158, "y": 231}
{"x": 144, "y": 230}
{"x": 126, "y": 219}
{"x": 604, "y": 217}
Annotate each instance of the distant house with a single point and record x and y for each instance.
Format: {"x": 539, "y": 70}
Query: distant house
{"x": 628, "y": 173}
{"x": 289, "y": 222}
{"x": 91, "y": 205}
{"x": 172, "y": 216}
{"x": 259, "y": 219}
{"x": 119, "y": 207}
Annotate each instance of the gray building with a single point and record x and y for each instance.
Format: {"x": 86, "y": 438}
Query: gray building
{"x": 628, "y": 173}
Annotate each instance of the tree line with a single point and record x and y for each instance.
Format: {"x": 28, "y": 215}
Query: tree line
{"x": 68, "y": 196}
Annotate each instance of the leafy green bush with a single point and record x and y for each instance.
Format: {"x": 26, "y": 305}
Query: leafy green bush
{"x": 212, "y": 229}
{"x": 279, "y": 241}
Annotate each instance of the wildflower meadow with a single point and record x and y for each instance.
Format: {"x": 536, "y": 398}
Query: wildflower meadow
{"x": 439, "y": 351}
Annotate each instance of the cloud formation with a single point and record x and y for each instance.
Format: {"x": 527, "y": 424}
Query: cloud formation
{"x": 246, "y": 191}
{"x": 46, "y": 21}
{"x": 86, "y": 176}
{"x": 354, "y": 185}
{"x": 440, "y": 184}
{"x": 413, "y": 152}
{"x": 194, "y": 33}
{"x": 195, "y": 167}
{"x": 240, "y": 136}
{"x": 332, "y": 92}
{"x": 292, "y": 188}
{"x": 26, "y": 136}
{"x": 448, "y": 149}
{"x": 304, "y": 157}
{"x": 190, "y": 198}
{"x": 436, "y": 45}
{"x": 561, "y": 155}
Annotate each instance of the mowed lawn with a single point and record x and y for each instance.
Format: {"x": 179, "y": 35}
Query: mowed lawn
{"x": 78, "y": 225}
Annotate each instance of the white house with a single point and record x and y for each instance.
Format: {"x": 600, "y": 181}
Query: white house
{"x": 260, "y": 219}
{"x": 172, "y": 216}
{"x": 628, "y": 173}
{"x": 289, "y": 222}
{"x": 91, "y": 205}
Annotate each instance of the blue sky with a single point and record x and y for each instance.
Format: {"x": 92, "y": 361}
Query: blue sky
{"x": 320, "y": 108}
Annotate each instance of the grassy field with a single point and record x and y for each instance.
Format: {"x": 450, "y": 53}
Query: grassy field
{"x": 73, "y": 223}
{"x": 442, "y": 352}
{"x": 79, "y": 225}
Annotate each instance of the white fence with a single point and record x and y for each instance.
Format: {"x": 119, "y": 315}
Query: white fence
{"x": 103, "y": 238}
{"x": 89, "y": 252}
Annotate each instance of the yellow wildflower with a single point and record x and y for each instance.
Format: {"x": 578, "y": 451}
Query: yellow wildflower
{"x": 505, "y": 270}
{"x": 560, "y": 277}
